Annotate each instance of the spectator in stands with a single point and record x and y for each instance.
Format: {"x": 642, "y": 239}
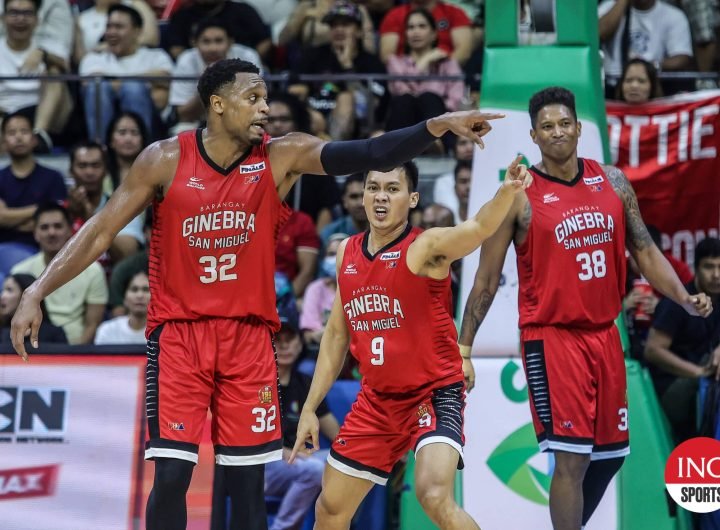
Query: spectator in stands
{"x": 683, "y": 348}
{"x": 126, "y": 137}
{"x": 444, "y": 187}
{"x": 299, "y": 483}
{"x": 55, "y": 27}
{"x": 320, "y": 294}
{"x": 437, "y": 215}
{"x": 274, "y": 14}
{"x": 46, "y": 103}
{"x": 77, "y": 306}
{"x": 296, "y": 251}
{"x": 454, "y": 33}
{"x": 246, "y": 25}
{"x": 462, "y": 179}
{"x": 124, "y": 56}
{"x": 658, "y": 32}
{"x": 213, "y": 41}
{"x": 86, "y": 197}
{"x": 318, "y": 199}
{"x": 92, "y": 23}
{"x": 307, "y": 25}
{"x": 24, "y": 185}
{"x": 12, "y": 289}
{"x": 124, "y": 271}
{"x": 415, "y": 101}
{"x": 340, "y": 101}
{"x": 355, "y": 218}
{"x": 638, "y": 83}
{"x": 130, "y": 328}
{"x": 704, "y": 18}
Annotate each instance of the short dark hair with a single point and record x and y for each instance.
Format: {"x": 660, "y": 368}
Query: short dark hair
{"x": 707, "y": 248}
{"x": 553, "y": 95}
{"x": 86, "y": 144}
{"x": 411, "y": 172}
{"x": 37, "y": 3}
{"x": 52, "y": 207}
{"x": 460, "y": 165}
{"x": 212, "y": 22}
{"x": 222, "y": 73}
{"x": 18, "y": 114}
{"x": 650, "y": 70}
{"x": 135, "y": 17}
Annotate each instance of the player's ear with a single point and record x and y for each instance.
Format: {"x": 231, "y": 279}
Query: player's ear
{"x": 579, "y": 129}
{"x": 532, "y": 135}
{"x": 216, "y": 104}
{"x": 414, "y": 199}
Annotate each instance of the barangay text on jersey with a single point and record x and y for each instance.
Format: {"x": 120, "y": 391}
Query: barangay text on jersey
{"x": 198, "y": 229}
{"x": 371, "y": 309}
{"x": 580, "y": 225}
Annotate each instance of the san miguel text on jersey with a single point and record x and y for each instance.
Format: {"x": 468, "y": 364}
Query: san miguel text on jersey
{"x": 401, "y": 327}
{"x": 572, "y": 263}
{"x": 214, "y": 238}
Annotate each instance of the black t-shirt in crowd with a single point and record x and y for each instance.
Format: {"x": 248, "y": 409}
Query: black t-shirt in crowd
{"x": 692, "y": 337}
{"x": 242, "y": 20}
{"x": 292, "y": 399}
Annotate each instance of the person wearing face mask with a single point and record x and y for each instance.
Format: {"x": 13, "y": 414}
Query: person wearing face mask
{"x": 320, "y": 294}
{"x": 639, "y": 83}
{"x": 12, "y": 289}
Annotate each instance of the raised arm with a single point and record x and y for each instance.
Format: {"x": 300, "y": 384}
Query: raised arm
{"x": 149, "y": 174}
{"x": 439, "y": 247}
{"x": 333, "y": 348}
{"x": 648, "y": 256}
{"x": 298, "y": 153}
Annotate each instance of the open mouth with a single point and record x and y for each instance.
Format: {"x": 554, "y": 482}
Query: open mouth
{"x": 381, "y": 212}
{"x": 259, "y": 125}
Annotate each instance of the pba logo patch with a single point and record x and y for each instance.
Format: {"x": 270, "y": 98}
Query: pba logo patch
{"x": 176, "y": 426}
{"x": 692, "y": 475}
{"x": 265, "y": 394}
{"x": 252, "y": 179}
{"x": 596, "y": 187}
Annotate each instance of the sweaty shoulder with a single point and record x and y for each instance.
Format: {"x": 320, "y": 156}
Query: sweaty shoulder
{"x": 294, "y": 154}
{"x": 158, "y": 162}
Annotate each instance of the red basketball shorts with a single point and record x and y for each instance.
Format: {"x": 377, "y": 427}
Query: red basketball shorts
{"x": 381, "y": 428}
{"x": 227, "y": 365}
{"x": 578, "y": 390}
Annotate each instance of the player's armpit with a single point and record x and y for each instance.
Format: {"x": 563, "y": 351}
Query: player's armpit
{"x": 638, "y": 237}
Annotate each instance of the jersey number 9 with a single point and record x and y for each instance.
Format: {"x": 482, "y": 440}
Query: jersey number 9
{"x": 377, "y": 347}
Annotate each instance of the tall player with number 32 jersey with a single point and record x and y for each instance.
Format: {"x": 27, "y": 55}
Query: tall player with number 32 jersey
{"x": 570, "y": 231}
{"x": 393, "y": 308}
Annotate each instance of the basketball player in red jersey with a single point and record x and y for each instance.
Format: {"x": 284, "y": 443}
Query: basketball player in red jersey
{"x": 393, "y": 307}
{"x": 570, "y": 231}
{"x": 216, "y": 194}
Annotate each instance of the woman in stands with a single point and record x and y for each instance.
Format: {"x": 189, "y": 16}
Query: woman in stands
{"x": 12, "y": 289}
{"x": 126, "y": 137}
{"x": 639, "y": 83}
{"x": 128, "y": 328}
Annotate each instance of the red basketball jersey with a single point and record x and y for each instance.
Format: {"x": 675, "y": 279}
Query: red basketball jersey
{"x": 401, "y": 327}
{"x": 212, "y": 252}
{"x": 572, "y": 265}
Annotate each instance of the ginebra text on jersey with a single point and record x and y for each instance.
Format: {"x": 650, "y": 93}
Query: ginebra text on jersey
{"x": 220, "y": 220}
{"x": 584, "y": 221}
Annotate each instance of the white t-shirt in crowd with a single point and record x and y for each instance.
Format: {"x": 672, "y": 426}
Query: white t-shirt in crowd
{"x": 118, "y": 331}
{"x": 142, "y": 61}
{"x": 444, "y": 193}
{"x": 17, "y": 94}
{"x": 92, "y": 23}
{"x": 655, "y": 34}
{"x": 190, "y": 63}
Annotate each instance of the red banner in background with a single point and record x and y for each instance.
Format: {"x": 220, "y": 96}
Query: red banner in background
{"x": 669, "y": 150}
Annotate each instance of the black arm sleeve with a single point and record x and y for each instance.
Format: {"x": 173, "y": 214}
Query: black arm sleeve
{"x": 382, "y": 153}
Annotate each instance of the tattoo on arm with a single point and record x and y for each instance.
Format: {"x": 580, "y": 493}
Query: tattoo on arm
{"x": 475, "y": 313}
{"x": 638, "y": 237}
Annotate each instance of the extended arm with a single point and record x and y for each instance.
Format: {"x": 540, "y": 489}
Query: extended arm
{"x": 150, "y": 172}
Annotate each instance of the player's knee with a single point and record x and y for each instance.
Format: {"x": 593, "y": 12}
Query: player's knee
{"x": 571, "y": 466}
{"x": 434, "y": 498}
{"x": 328, "y": 509}
{"x": 172, "y": 475}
